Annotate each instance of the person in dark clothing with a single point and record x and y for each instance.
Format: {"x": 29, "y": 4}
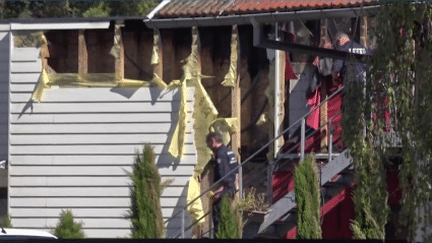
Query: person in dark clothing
{"x": 349, "y": 71}
{"x": 226, "y": 163}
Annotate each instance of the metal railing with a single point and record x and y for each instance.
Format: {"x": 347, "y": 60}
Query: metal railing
{"x": 240, "y": 166}
{"x": 329, "y": 123}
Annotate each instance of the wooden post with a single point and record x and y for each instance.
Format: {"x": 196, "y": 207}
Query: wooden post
{"x": 119, "y": 62}
{"x": 82, "y": 53}
{"x": 279, "y": 99}
{"x": 236, "y": 105}
{"x": 323, "y": 109}
{"x": 158, "y": 69}
{"x": 364, "y": 30}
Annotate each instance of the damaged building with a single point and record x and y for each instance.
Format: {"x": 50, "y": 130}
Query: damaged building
{"x": 82, "y": 96}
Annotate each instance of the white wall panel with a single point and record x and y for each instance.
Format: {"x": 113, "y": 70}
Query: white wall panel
{"x": 22, "y": 181}
{"x": 113, "y": 107}
{"x": 73, "y": 149}
{"x": 164, "y": 159}
{"x": 26, "y": 67}
{"x": 90, "y": 170}
{"x": 92, "y": 118}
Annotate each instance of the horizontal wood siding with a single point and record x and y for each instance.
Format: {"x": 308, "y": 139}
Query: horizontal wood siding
{"x": 73, "y": 151}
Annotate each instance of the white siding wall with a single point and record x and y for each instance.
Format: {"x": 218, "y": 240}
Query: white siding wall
{"x": 4, "y": 109}
{"x": 72, "y": 150}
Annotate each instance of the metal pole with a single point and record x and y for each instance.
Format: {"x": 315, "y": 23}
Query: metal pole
{"x": 330, "y": 142}
{"x": 183, "y": 224}
{"x": 302, "y": 145}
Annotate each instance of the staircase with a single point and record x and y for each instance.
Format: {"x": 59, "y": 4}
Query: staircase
{"x": 282, "y": 215}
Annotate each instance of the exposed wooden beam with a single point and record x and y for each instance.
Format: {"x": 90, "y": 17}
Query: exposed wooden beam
{"x": 279, "y": 97}
{"x": 364, "y": 30}
{"x": 158, "y": 69}
{"x": 120, "y": 60}
{"x": 82, "y": 53}
{"x": 261, "y": 41}
{"x": 324, "y": 108}
{"x": 236, "y": 104}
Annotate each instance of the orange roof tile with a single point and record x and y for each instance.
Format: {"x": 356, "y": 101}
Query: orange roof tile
{"x": 179, "y": 9}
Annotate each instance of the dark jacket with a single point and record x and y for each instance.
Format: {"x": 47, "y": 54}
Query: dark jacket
{"x": 351, "y": 71}
{"x": 226, "y": 162}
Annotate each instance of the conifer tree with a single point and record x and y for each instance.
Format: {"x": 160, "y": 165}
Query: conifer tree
{"x": 146, "y": 213}
{"x": 67, "y": 228}
{"x": 308, "y": 200}
{"x": 228, "y": 226}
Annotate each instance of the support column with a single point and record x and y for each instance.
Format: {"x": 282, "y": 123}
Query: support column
{"x": 158, "y": 68}
{"x": 323, "y": 110}
{"x": 364, "y": 30}
{"x": 279, "y": 97}
{"x": 82, "y": 53}
{"x": 118, "y": 42}
{"x": 236, "y": 104}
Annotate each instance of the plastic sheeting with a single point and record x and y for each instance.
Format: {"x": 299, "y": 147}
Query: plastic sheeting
{"x": 231, "y": 77}
{"x": 156, "y": 44}
{"x": 225, "y": 126}
{"x": 195, "y": 208}
{"x": 176, "y": 148}
{"x": 29, "y": 39}
{"x": 86, "y": 80}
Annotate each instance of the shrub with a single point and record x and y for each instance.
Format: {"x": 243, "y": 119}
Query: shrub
{"x": 67, "y": 228}
{"x": 228, "y": 226}
{"x": 308, "y": 199}
{"x": 252, "y": 201}
{"x": 6, "y": 222}
{"x": 146, "y": 189}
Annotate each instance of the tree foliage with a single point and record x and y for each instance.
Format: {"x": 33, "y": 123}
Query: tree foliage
{"x": 404, "y": 39}
{"x": 146, "y": 189}
{"x": 307, "y": 190}
{"x": 370, "y": 195}
{"x": 49, "y": 9}
{"x": 401, "y": 71}
{"x": 67, "y": 228}
{"x": 228, "y": 225}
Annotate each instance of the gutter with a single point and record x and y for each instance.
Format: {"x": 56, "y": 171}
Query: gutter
{"x": 262, "y": 18}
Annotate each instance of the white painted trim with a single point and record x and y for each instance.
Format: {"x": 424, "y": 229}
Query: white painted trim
{"x": 4, "y": 27}
{"x": 9, "y": 118}
{"x": 60, "y": 26}
{"x": 158, "y": 7}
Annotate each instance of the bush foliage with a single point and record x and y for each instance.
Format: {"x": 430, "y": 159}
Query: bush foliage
{"x": 228, "y": 225}
{"x": 307, "y": 192}
{"x": 146, "y": 189}
{"x": 67, "y": 228}
{"x": 6, "y": 222}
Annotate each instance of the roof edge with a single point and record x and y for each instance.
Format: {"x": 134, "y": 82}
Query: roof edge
{"x": 158, "y": 8}
{"x": 262, "y": 18}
